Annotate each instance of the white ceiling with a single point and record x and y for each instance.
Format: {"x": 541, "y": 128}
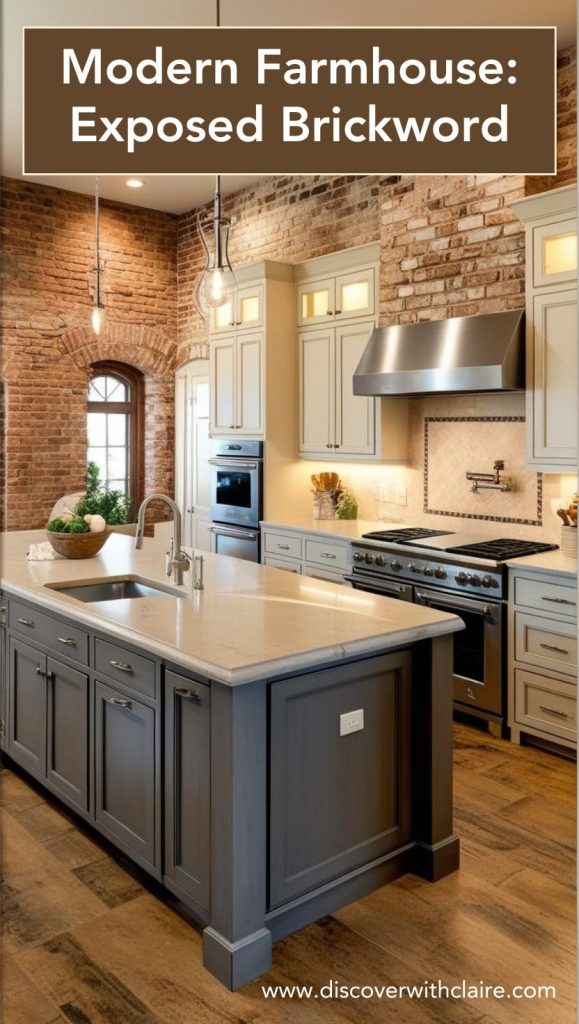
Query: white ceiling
{"x": 177, "y": 194}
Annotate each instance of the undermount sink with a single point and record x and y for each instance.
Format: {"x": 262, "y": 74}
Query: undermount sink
{"x": 115, "y": 590}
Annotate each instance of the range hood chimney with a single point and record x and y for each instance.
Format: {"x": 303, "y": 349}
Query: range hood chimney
{"x": 462, "y": 354}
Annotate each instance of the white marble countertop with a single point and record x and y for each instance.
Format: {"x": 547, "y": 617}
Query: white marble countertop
{"x": 547, "y": 561}
{"x": 348, "y": 529}
{"x": 251, "y": 621}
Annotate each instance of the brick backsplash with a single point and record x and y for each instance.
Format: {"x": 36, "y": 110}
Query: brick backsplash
{"x": 450, "y": 246}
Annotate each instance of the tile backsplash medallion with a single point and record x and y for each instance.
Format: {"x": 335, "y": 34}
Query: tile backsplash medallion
{"x": 452, "y": 446}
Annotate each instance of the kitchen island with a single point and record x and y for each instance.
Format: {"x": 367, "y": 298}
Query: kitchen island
{"x": 269, "y": 748}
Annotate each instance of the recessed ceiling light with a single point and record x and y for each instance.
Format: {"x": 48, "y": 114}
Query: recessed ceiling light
{"x": 135, "y": 183}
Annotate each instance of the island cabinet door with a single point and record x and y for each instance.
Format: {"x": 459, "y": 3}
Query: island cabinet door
{"x": 126, "y": 766}
{"x": 187, "y": 787}
{"x": 339, "y": 772}
{"x": 26, "y": 740}
{"x": 68, "y": 724}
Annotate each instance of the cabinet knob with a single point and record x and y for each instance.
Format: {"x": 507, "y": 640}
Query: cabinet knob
{"x": 329, "y": 446}
{"x": 39, "y": 671}
{"x": 337, "y": 311}
{"x": 330, "y": 312}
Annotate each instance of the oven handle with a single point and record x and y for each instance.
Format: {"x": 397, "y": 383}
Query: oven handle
{"x": 457, "y": 604}
{"x": 233, "y": 463}
{"x": 227, "y": 531}
{"x": 379, "y": 587}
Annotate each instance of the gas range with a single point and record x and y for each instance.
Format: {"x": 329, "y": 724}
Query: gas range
{"x": 456, "y": 572}
{"x": 457, "y": 561}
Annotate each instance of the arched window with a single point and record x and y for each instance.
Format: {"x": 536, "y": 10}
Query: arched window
{"x": 115, "y": 427}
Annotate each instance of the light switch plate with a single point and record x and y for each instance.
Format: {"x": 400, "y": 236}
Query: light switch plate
{"x": 351, "y": 721}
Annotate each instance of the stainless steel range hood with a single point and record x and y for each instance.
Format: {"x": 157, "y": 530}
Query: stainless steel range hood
{"x": 462, "y": 354}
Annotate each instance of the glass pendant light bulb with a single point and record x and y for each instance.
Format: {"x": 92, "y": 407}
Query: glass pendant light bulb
{"x": 97, "y": 319}
{"x": 218, "y": 286}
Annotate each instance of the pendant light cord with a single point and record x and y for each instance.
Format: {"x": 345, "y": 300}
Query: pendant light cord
{"x": 97, "y": 254}
{"x": 218, "y": 13}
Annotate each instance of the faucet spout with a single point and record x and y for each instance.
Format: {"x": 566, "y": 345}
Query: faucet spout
{"x": 178, "y": 559}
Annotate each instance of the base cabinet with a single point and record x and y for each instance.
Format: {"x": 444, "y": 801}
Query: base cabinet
{"x": 27, "y": 705}
{"x": 187, "y": 788}
{"x": 126, "y": 752}
{"x": 67, "y": 749}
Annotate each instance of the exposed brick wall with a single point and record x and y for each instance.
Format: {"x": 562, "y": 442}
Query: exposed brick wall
{"x": 47, "y": 262}
{"x": 450, "y": 247}
{"x": 566, "y": 126}
{"x": 287, "y": 219}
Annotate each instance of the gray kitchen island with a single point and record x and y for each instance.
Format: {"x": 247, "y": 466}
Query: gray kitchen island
{"x": 269, "y": 749}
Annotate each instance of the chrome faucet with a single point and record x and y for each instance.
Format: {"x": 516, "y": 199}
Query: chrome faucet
{"x": 177, "y": 560}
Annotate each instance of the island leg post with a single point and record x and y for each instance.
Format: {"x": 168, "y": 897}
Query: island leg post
{"x": 437, "y": 851}
{"x": 237, "y": 946}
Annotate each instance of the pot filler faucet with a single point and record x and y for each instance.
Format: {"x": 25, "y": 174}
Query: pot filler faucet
{"x": 178, "y": 561}
{"x": 490, "y": 481}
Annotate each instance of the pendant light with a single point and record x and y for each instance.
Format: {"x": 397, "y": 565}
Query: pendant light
{"x": 97, "y": 316}
{"x": 216, "y": 285}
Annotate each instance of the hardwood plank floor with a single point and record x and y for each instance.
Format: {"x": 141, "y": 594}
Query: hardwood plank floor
{"x": 87, "y": 939}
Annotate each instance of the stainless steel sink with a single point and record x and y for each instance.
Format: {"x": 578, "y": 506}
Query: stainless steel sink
{"x": 115, "y": 590}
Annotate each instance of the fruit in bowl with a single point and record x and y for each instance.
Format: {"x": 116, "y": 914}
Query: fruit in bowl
{"x": 78, "y": 537}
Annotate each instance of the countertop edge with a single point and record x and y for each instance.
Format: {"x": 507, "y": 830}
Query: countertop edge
{"x": 260, "y": 671}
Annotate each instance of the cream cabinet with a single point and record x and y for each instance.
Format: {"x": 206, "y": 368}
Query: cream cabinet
{"x": 342, "y": 296}
{"x": 192, "y": 475}
{"x": 236, "y": 362}
{"x": 542, "y": 657}
{"x": 551, "y": 312}
{"x": 319, "y": 555}
{"x": 243, "y": 312}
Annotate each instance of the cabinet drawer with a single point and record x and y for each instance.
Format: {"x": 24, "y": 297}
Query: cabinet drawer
{"x": 283, "y": 544}
{"x": 545, "y": 704}
{"x": 315, "y": 572}
{"x": 283, "y": 563}
{"x": 545, "y": 643}
{"x": 333, "y": 556}
{"x": 126, "y": 667}
{"x": 60, "y": 636}
{"x": 546, "y": 597}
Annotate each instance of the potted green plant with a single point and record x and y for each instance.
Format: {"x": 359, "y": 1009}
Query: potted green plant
{"x": 86, "y": 531}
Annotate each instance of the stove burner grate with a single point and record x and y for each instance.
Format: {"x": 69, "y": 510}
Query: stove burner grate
{"x": 503, "y": 549}
{"x": 403, "y": 536}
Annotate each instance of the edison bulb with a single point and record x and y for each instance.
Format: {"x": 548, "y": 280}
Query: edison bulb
{"x": 215, "y": 288}
{"x": 97, "y": 319}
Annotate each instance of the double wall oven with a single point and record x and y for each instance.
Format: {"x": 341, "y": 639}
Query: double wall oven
{"x": 236, "y": 498}
{"x": 455, "y": 573}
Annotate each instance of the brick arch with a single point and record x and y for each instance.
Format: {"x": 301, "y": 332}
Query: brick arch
{"x": 143, "y": 347}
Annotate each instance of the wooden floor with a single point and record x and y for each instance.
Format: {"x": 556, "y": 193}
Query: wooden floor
{"x": 87, "y": 941}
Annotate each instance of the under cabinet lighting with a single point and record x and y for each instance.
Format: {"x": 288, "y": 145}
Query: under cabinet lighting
{"x": 135, "y": 183}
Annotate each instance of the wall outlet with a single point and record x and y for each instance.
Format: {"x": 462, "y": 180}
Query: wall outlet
{"x": 351, "y": 721}
{"x": 386, "y": 492}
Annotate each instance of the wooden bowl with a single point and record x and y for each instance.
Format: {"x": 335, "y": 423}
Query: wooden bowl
{"x": 78, "y": 545}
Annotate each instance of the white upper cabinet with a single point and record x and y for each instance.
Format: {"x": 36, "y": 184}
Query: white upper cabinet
{"x": 192, "y": 475}
{"x": 355, "y": 414}
{"x": 243, "y": 312}
{"x": 236, "y": 362}
{"x": 338, "y": 297}
{"x": 550, "y": 220}
{"x": 223, "y": 385}
{"x": 317, "y": 392}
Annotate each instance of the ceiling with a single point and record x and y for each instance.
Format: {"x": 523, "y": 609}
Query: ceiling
{"x": 179, "y": 193}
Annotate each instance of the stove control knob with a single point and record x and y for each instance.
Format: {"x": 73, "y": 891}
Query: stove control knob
{"x": 413, "y": 567}
{"x": 358, "y": 556}
{"x": 475, "y": 581}
{"x": 461, "y": 577}
{"x": 379, "y": 560}
{"x": 427, "y": 571}
{"x": 440, "y": 573}
{"x": 395, "y": 565}
{"x": 487, "y": 581}
{"x": 369, "y": 559}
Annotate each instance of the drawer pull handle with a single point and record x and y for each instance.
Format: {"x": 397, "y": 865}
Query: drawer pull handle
{"x": 326, "y": 554}
{"x": 120, "y": 703}
{"x": 39, "y": 671}
{"x": 552, "y": 647}
{"x": 182, "y": 691}
{"x": 122, "y": 666}
{"x": 559, "y": 600}
{"x": 66, "y": 640}
{"x": 553, "y": 711}
{"x": 26, "y": 622}
{"x": 283, "y": 547}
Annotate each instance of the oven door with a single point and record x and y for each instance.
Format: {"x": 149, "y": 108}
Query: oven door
{"x": 477, "y": 658}
{"x": 378, "y": 585}
{"x": 225, "y": 540}
{"x": 236, "y": 491}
